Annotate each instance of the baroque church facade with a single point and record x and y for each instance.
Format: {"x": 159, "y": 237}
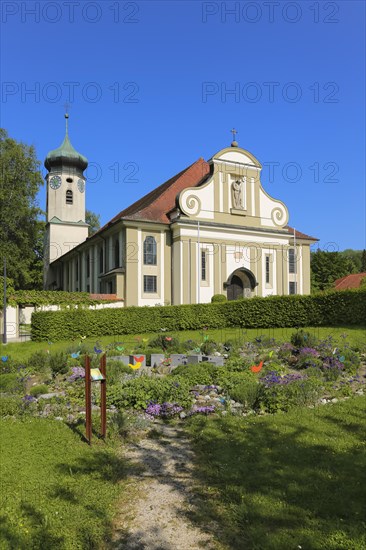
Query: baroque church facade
{"x": 211, "y": 229}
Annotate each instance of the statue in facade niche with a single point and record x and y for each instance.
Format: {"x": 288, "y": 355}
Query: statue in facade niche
{"x": 236, "y": 194}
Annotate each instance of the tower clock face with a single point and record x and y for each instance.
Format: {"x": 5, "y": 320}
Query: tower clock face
{"x": 55, "y": 182}
{"x": 81, "y": 186}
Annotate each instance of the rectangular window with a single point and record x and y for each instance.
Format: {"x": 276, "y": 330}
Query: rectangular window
{"x": 291, "y": 260}
{"x": 150, "y": 283}
{"x": 292, "y": 288}
{"x": 69, "y": 197}
{"x": 203, "y": 265}
{"x": 268, "y": 269}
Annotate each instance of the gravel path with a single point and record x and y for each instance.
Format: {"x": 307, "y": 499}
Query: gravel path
{"x": 158, "y": 519}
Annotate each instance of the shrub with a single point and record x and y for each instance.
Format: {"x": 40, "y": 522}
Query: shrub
{"x": 188, "y": 345}
{"x": 202, "y": 373}
{"x": 208, "y": 347}
{"x": 58, "y": 363}
{"x": 10, "y": 405}
{"x": 230, "y": 380}
{"x": 281, "y": 393}
{"x": 285, "y": 352}
{"x": 247, "y": 393}
{"x": 38, "y": 361}
{"x": 351, "y": 359}
{"x": 35, "y": 391}
{"x": 332, "y": 368}
{"x": 139, "y": 392}
{"x": 164, "y": 342}
{"x": 308, "y": 357}
{"x": 303, "y": 339}
{"x": 237, "y": 363}
{"x": 11, "y": 383}
{"x": 218, "y": 298}
{"x": 116, "y": 371}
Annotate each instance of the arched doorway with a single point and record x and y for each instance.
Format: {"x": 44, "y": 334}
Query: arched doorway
{"x": 240, "y": 284}
{"x": 235, "y": 289}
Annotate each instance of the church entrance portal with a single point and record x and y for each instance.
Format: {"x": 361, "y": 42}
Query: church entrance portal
{"x": 240, "y": 284}
{"x": 235, "y": 290}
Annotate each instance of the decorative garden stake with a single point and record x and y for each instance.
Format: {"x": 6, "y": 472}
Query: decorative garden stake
{"x": 257, "y": 368}
{"x": 88, "y": 427}
{"x": 94, "y": 375}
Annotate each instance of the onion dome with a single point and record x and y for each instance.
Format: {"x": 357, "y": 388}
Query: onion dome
{"x": 65, "y": 155}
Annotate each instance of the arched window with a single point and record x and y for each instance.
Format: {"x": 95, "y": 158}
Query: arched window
{"x": 149, "y": 251}
{"x": 116, "y": 253}
{"x": 101, "y": 261}
{"x": 69, "y": 197}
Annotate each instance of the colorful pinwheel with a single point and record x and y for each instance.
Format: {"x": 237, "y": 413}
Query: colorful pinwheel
{"x": 257, "y": 368}
{"x": 135, "y": 366}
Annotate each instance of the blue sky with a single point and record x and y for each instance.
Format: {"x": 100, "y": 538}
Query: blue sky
{"x": 153, "y": 86}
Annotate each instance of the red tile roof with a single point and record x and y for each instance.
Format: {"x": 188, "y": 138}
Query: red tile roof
{"x": 349, "y": 281}
{"x": 300, "y": 235}
{"x": 155, "y": 205}
{"x": 108, "y": 297}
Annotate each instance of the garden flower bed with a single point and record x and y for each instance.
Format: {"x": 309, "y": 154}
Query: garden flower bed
{"x": 257, "y": 377}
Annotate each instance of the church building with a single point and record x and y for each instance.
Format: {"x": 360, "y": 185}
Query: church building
{"x": 211, "y": 229}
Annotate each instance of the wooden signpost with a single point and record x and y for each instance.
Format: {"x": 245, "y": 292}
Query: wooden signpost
{"x": 94, "y": 375}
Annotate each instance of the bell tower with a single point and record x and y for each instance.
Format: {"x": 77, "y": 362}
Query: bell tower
{"x": 65, "y": 226}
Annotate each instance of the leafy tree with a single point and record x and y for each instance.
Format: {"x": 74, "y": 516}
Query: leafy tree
{"x": 93, "y": 220}
{"x": 363, "y": 262}
{"x": 326, "y": 267}
{"x": 20, "y": 227}
{"x": 355, "y": 256}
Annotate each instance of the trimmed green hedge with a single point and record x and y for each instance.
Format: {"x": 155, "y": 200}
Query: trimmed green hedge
{"x": 326, "y": 309}
{"x": 51, "y": 297}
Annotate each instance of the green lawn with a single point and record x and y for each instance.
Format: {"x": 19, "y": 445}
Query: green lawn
{"x": 284, "y": 481}
{"x": 56, "y": 492}
{"x": 22, "y": 351}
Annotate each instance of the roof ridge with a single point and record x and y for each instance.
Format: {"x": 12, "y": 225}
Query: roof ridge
{"x": 148, "y": 199}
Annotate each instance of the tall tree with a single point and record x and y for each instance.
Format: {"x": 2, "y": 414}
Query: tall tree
{"x": 93, "y": 220}
{"x": 326, "y": 267}
{"x": 354, "y": 255}
{"x": 363, "y": 262}
{"x": 20, "y": 226}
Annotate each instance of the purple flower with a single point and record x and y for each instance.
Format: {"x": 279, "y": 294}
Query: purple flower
{"x": 309, "y": 351}
{"x": 207, "y": 409}
{"x": 29, "y": 399}
{"x": 273, "y": 378}
{"x": 165, "y": 410}
{"x": 77, "y": 372}
{"x": 332, "y": 362}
